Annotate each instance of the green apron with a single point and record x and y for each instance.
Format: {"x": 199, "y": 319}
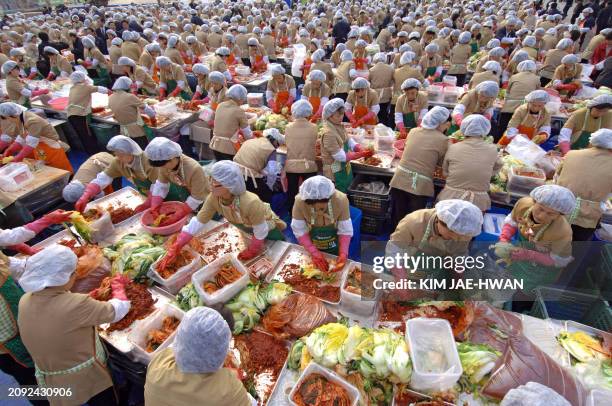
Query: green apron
{"x": 56, "y": 71}
{"x": 325, "y": 238}
{"x": 430, "y": 71}
{"x": 10, "y": 293}
{"x": 38, "y": 76}
{"x": 177, "y": 193}
{"x": 532, "y": 274}
{"x": 273, "y": 234}
{"x": 27, "y": 103}
{"x": 474, "y": 47}
{"x": 343, "y": 174}
{"x": 171, "y": 85}
{"x": 103, "y": 78}
{"x": 143, "y": 186}
{"x": 452, "y": 129}
{"x": 409, "y": 120}
{"x": 585, "y": 136}
{"x": 148, "y": 132}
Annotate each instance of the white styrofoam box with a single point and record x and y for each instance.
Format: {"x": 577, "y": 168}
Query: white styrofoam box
{"x": 208, "y": 272}
{"x": 426, "y": 336}
{"x": 314, "y": 368}
{"x": 15, "y": 176}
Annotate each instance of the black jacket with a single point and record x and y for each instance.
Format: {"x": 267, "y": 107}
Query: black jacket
{"x": 340, "y": 31}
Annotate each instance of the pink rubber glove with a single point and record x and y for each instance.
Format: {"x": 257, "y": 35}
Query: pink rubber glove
{"x": 402, "y": 129}
{"x": 351, "y": 156}
{"x": 196, "y": 96}
{"x": 358, "y": 148}
{"x": 522, "y": 254}
{"x": 172, "y": 252}
{"x": 55, "y": 217}
{"x": 255, "y": 248}
{"x": 13, "y": 148}
{"x": 458, "y": 119}
{"x": 51, "y": 76}
{"x": 508, "y": 231}
{"x": 86, "y": 64}
{"x": 134, "y": 88}
{"x": 206, "y": 100}
{"x": 32, "y": 75}
{"x": 4, "y": 145}
{"x": 564, "y": 146}
{"x": 344, "y": 242}
{"x": 145, "y": 205}
{"x": 25, "y": 249}
{"x": 317, "y": 257}
{"x": 350, "y": 116}
{"x": 162, "y": 94}
{"x": 290, "y": 101}
{"x": 371, "y": 115}
{"x": 211, "y": 123}
{"x": 183, "y": 211}
{"x": 175, "y": 92}
{"x": 25, "y": 152}
{"x": 118, "y": 284}
{"x": 156, "y": 202}
{"x": 39, "y": 92}
{"x": 92, "y": 190}
{"x": 272, "y": 105}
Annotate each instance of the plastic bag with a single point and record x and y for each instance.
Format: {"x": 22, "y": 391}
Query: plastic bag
{"x": 299, "y": 56}
{"x": 377, "y": 187}
{"x": 102, "y": 227}
{"x": 92, "y": 268}
{"x": 384, "y": 137}
{"x": 524, "y": 149}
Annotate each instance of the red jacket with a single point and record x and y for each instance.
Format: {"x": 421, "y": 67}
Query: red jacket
{"x": 600, "y": 53}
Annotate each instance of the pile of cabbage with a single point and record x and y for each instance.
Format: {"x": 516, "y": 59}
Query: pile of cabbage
{"x": 477, "y": 361}
{"x": 134, "y": 254}
{"x": 272, "y": 120}
{"x": 380, "y": 354}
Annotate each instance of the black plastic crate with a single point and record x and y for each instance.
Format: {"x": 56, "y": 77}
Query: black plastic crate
{"x": 375, "y": 225}
{"x": 369, "y": 203}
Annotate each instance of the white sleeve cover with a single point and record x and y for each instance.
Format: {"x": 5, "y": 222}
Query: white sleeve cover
{"x": 193, "y": 202}
{"x": 149, "y": 111}
{"x": 6, "y": 138}
{"x": 351, "y": 143}
{"x": 545, "y": 129}
{"x": 160, "y": 189}
{"x": 194, "y": 227}
{"x": 375, "y": 108}
{"x": 102, "y": 89}
{"x": 508, "y": 220}
{"x": 32, "y": 141}
{"x": 16, "y": 267}
{"x": 299, "y": 227}
{"x": 348, "y": 107}
{"x": 20, "y": 140}
{"x": 139, "y": 84}
{"x": 246, "y": 131}
{"x": 459, "y": 109}
{"x": 422, "y": 113}
{"x": 399, "y": 118}
{"x": 270, "y": 96}
{"x": 163, "y": 85}
{"x": 340, "y": 156}
{"x": 122, "y": 307}
{"x": 198, "y": 89}
{"x": 26, "y": 92}
{"x": 345, "y": 227}
{"x": 17, "y": 235}
{"x": 102, "y": 180}
{"x": 260, "y": 231}
{"x": 228, "y": 75}
{"x": 180, "y": 83}
{"x": 292, "y": 93}
{"x": 512, "y": 131}
{"x": 565, "y": 135}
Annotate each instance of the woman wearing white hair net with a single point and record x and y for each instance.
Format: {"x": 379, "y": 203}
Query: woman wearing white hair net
{"x": 411, "y": 106}
{"x": 147, "y": 59}
{"x": 529, "y": 46}
{"x": 491, "y": 70}
{"x": 280, "y": 91}
{"x": 229, "y": 41}
{"x": 58, "y": 64}
{"x": 586, "y": 173}
{"x": 217, "y": 91}
{"x": 566, "y": 79}
{"x": 553, "y": 58}
{"x": 142, "y": 81}
{"x": 344, "y": 73}
{"x": 32, "y": 137}
{"x": 431, "y": 63}
{"x": 518, "y": 87}
{"x": 259, "y": 163}
{"x": 477, "y": 101}
{"x": 200, "y": 96}
{"x": 337, "y": 148}
{"x": 172, "y": 52}
{"x": 70, "y": 352}
{"x": 300, "y": 138}
{"x": 79, "y": 109}
{"x": 381, "y": 81}
{"x": 219, "y": 62}
{"x": 172, "y": 79}
{"x": 86, "y": 173}
{"x": 268, "y": 43}
{"x": 257, "y": 56}
{"x": 361, "y": 106}
{"x": 320, "y": 65}
{"x": 360, "y": 57}
{"x": 129, "y": 47}
{"x": 185, "y": 374}
{"x": 404, "y": 72}
{"x": 531, "y": 119}
{"x": 127, "y": 109}
{"x": 230, "y": 124}
{"x": 316, "y": 92}
{"x": 128, "y": 162}
{"x": 18, "y": 91}
{"x": 321, "y": 222}
{"x": 544, "y": 236}
{"x": 468, "y": 178}
{"x": 459, "y": 57}
{"x": 95, "y": 61}
{"x": 412, "y": 183}
{"x": 230, "y": 199}
{"x": 496, "y": 54}
{"x": 577, "y": 130}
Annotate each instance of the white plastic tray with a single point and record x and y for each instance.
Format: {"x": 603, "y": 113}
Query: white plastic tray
{"x": 228, "y": 291}
{"x": 180, "y": 278}
{"x": 314, "y": 368}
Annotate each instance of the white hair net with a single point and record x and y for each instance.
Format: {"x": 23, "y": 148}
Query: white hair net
{"x": 497, "y": 52}
{"x": 163, "y": 61}
{"x": 432, "y": 48}
{"x": 50, "y": 50}
{"x": 407, "y": 57}
{"x": 465, "y": 37}
{"x": 274, "y": 134}
{"x": 52, "y": 266}
{"x": 527, "y": 66}
{"x": 202, "y": 341}
{"x": 380, "y": 57}
{"x": 87, "y": 42}
{"x": 460, "y": 216}
{"x": 216, "y": 77}
{"x": 172, "y": 41}
{"x": 555, "y": 197}
{"x": 346, "y": 55}
{"x": 317, "y": 75}
{"x": 126, "y": 145}
{"x": 73, "y": 191}
{"x": 123, "y": 83}
{"x": 125, "y": 61}
{"x": 318, "y": 55}
{"x": 600, "y": 100}
{"x": 492, "y": 66}
{"x": 520, "y": 56}
{"x": 153, "y": 47}
{"x": 228, "y": 174}
{"x": 564, "y": 43}
{"x": 317, "y": 188}
{"x": 223, "y": 51}
{"x": 475, "y": 125}
{"x": 529, "y": 41}
{"x": 10, "y": 109}
{"x": 537, "y": 96}
{"x": 434, "y": 117}
{"x": 117, "y": 41}
{"x": 79, "y": 77}
{"x": 8, "y": 66}
{"x": 488, "y": 88}
{"x": 411, "y": 82}
{"x": 494, "y": 43}
{"x": 404, "y": 48}
{"x": 162, "y": 149}
{"x": 602, "y": 138}
{"x": 361, "y": 43}
{"x": 200, "y": 69}
{"x": 569, "y": 59}
{"x": 301, "y": 109}
{"x": 360, "y": 83}
{"x": 277, "y": 69}
{"x": 237, "y": 92}
{"x": 332, "y": 106}
{"x": 252, "y": 42}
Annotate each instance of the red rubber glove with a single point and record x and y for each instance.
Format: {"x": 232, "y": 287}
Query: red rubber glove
{"x": 134, "y": 88}
{"x": 51, "y": 76}
{"x": 254, "y": 249}
{"x": 272, "y": 105}
{"x": 181, "y": 212}
{"x": 25, "y": 249}
{"x": 25, "y": 152}
{"x": 458, "y": 119}
{"x": 317, "y": 257}
{"x": 39, "y": 92}
{"x": 175, "y": 92}
{"x": 358, "y": 148}
{"x": 196, "y": 96}
{"x": 144, "y": 205}
{"x": 86, "y": 64}
{"x": 564, "y": 147}
{"x": 522, "y": 254}
{"x": 92, "y": 190}
{"x": 508, "y": 231}
{"x": 32, "y": 75}
{"x": 351, "y": 156}
{"x": 156, "y": 202}
{"x": 402, "y": 129}
{"x": 13, "y": 148}
{"x": 162, "y": 94}
{"x": 172, "y": 252}
{"x": 55, "y": 217}
{"x": 4, "y": 145}
{"x": 350, "y": 116}
{"x": 344, "y": 242}
{"x": 206, "y": 100}
{"x": 118, "y": 284}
